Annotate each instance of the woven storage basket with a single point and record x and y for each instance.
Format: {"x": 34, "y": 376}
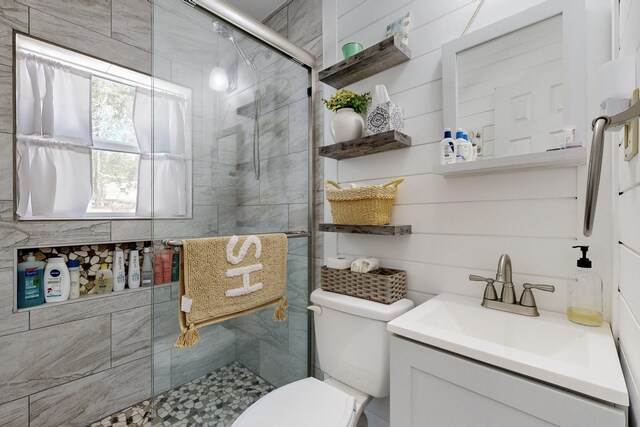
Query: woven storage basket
{"x": 367, "y": 205}
{"x": 383, "y": 285}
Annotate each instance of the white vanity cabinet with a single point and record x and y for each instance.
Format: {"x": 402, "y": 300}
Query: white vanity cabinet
{"x": 432, "y": 387}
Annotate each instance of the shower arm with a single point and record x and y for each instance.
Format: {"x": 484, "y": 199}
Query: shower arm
{"x": 599, "y": 125}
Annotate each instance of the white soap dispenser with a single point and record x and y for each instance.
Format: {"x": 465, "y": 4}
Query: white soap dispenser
{"x": 584, "y": 294}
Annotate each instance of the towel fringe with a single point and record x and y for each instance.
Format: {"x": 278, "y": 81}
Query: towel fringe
{"x": 188, "y": 338}
{"x": 280, "y": 314}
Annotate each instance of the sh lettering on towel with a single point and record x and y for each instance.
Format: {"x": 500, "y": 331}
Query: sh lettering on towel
{"x": 247, "y": 287}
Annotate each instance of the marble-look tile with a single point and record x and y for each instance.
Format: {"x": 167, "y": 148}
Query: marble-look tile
{"x": 166, "y": 328}
{"x": 298, "y": 332}
{"x": 215, "y": 349}
{"x": 270, "y": 218}
{"x": 284, "y": 179}
{"x": 10, "y": 322}
{"x": 297, "y": 280}
{"x": 274, "y": 130}
{"x": 248, "y": 350}
{"x": 161, "y": 67}
{"x": 16, "y": 413}
{"x": 279, "y": 367}
{"x": 305, "y": 21}
{"x": 130, "y": 230}
{"x": 95, "y": 15}
{"x": 161, "y": 372}
{"x": 46, "y": 315}
{"x": 93, "y": 397}
{"x": 248, "y": 187}
{"x": 62, "y": 32}
{"x": 222, "y": 190}
{"x": 37, "y": 360}
{"x": 299, "y": 126}
{"x": 203, "y": 173}
{"x": 260, "y": 325}
{"x": 228, "y": 147}
{"x": 161, "y": 293}
{"x": 227, "y": 220}
{"x": 203, "y": 224}
{"x": 6, "y": 95}
{"x": 278, "y": 22}
{"x": 130, "y": 335}
{"x": 131, "y": 22}
{"x": 12, "y": 16}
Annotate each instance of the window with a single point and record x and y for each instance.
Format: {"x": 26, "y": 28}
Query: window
{"x": 84, "y": 140}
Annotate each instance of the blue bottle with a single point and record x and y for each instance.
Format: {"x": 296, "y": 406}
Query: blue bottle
{"x": 30, "y": 282}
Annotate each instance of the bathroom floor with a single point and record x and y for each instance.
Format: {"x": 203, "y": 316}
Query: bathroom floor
{"x": 216, "y": 400}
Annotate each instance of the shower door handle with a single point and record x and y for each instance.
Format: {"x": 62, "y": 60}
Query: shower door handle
{"x": 599, "y": 125}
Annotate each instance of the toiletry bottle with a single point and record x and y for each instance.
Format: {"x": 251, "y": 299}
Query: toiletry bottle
{"x": 158, "y": 268}
{"x": 447, "y": 148}
{"x": 134, "y": 269}
{"x": 147, "y": 267}
{"x": 104, "y": 280}
{"x": 175, "y": 266}
{"x": 57, "y": 284}
{"x": 74, "y": 278}
{"x": 167, "y": 261}
{"x": 584, "y": 295}
{"x": 465, "y": 149}
{"x": 30, "y": 282}
{"x": 118, "y": 270}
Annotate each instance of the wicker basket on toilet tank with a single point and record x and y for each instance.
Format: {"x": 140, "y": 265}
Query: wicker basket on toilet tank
{"x": 384, "y": 285}
{"x": 366, "y": 205}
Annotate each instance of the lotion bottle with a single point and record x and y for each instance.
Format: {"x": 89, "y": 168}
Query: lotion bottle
{"x": 134, "y": 269}
{"x": 447, "y": 149}
{"x": 465, "y": 149}
{"x": 74, "y": 278}
{"x": 104, "y": 280}
{"x": 57, "y": 284}
{"x": 584, "y": 294}
{"x": 147, "y": 267}
{"x": 118, "y": 270}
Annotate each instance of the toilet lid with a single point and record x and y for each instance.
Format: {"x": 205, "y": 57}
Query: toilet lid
{"x": 308, "y": 402}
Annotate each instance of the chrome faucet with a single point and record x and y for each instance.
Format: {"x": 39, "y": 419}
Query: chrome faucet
{"x": 507, "y": 302}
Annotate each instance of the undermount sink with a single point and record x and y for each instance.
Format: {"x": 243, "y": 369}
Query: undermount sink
{"x": 549, "y": 347}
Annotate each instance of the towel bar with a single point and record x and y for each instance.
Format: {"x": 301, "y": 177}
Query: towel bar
{"x": 289, "y": 234}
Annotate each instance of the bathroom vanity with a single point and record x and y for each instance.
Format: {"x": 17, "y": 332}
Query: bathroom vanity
{"x": 456, "y": 363}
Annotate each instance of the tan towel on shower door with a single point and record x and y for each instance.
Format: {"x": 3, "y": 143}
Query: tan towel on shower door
{"x": 226, "y": 277}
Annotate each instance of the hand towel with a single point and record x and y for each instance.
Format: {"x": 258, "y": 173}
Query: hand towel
{"x": 365, "y": 265}
{"x": 226, "y": 277}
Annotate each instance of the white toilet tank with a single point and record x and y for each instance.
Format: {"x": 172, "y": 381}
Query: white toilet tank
{"x": 352, "y": 339}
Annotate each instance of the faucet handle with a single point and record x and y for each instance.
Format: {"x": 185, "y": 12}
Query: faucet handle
{"x": 490, "y": 290}
{"x": 527, "y": 299}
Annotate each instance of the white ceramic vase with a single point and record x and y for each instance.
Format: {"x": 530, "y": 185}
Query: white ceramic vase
{"x": 346, "y": 125}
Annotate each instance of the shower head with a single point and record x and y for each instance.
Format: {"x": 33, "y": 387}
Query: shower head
{"x": 222, "y": 29}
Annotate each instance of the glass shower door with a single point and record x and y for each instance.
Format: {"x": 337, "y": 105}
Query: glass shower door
{"x": 228, "y": 157}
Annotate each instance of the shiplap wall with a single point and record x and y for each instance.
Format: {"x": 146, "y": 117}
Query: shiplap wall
{"x": 462, "y": 225}
{"x": 627, "y": 297}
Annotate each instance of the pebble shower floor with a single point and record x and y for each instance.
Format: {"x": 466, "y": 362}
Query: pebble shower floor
{"x": 214, "y": 400}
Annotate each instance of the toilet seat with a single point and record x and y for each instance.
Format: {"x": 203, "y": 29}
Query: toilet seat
{"x": 308, "y": 402}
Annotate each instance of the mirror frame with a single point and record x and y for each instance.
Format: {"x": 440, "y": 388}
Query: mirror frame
{"x": 573, "y": 46}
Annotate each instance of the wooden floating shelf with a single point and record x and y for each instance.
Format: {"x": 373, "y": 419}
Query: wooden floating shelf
{"x": 381, "y": 230}
{"x": 546, "y": 160}
{"x": 373, "y": 60}
{"x": 385, "y": 141}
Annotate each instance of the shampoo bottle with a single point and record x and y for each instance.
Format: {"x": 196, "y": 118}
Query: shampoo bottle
{"x": 465, "y": 148}
{"x": 104, "y": 280}
{"x": 57, "y": 284}
{"x": 118, "y": 270}
{"x": 584, "y": 294}
{"x": 134, "y": 269}
{"x": 175, "y": 266}
{"x": 74, "y": 278}
{"x": 30, "y": 282}
{"x": 447, "y": 149}
{"x": 147, "y": 267}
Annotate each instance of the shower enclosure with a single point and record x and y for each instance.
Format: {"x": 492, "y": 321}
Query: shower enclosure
{"x": 244, "y": 146}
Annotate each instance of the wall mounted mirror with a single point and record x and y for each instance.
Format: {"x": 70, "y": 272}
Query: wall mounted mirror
{"x": 516, "y": 85}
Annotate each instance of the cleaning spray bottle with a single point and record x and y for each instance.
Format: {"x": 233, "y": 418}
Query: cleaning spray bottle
{"x": 584, "y": 294}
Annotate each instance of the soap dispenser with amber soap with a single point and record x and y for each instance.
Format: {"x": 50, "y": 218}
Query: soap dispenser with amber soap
{"x": 584, "y": 294}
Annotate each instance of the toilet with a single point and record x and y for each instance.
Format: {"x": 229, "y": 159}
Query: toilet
{"x": 353, "y": 351}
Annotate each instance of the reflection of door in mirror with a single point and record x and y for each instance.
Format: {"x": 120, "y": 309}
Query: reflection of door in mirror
{"x": 529, "y": 114}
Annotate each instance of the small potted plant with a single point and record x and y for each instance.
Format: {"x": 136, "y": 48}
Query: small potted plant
{"x": 347, "y": 124}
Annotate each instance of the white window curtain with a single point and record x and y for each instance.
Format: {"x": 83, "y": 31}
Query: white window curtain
{"x": 53, "y": 178}
{"x": 54, "y": 138}
{"x": 163, "y": 170}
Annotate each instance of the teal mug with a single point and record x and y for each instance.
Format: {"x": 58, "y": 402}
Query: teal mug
{"x": 350, "y": 49}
